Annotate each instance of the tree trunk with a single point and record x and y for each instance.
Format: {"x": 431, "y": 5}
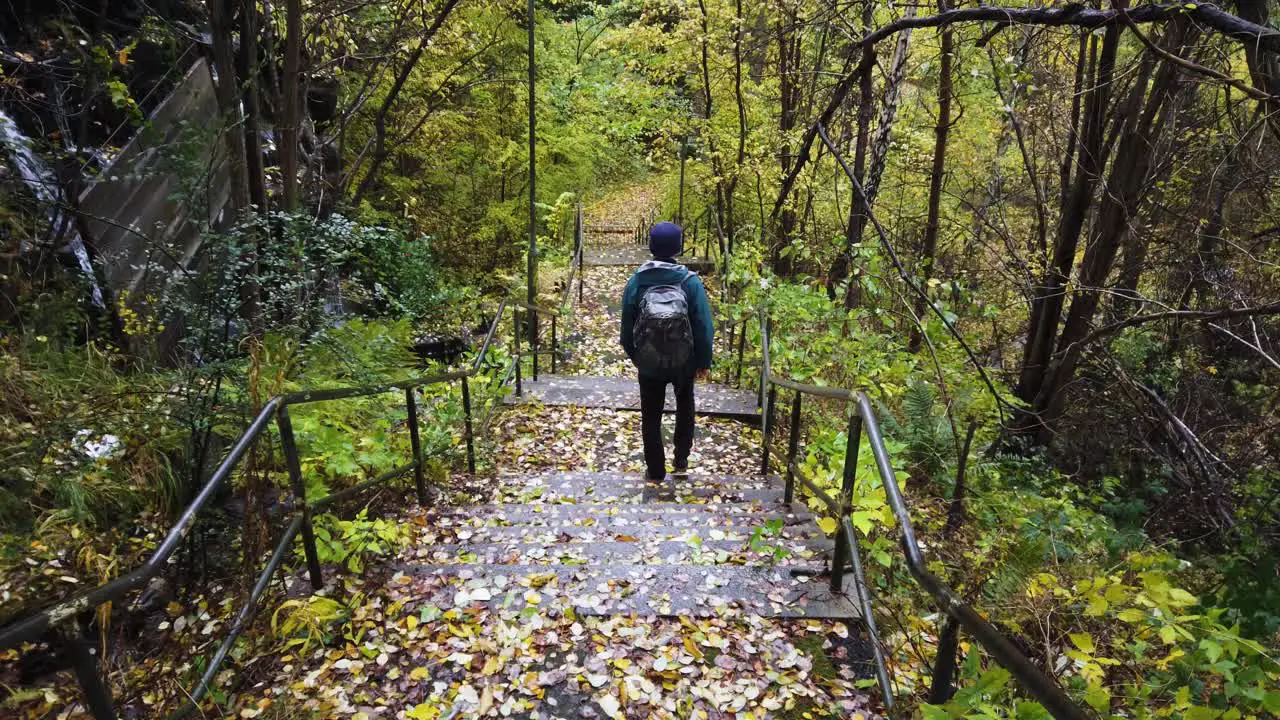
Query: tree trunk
{"x": 1142, "y": 139}
{"x": 1048, "y": 298}
{"x": 228, "y": 93}
{"x": 840, "y": 270}
{"x": 929, "y": 246}
{"x": 788, "y": 64}
{"x": 291, "y": 105}
{"x": 252, "y": 89}
{"x": 1264, "y": 68}
{"x": 888, "y": 110}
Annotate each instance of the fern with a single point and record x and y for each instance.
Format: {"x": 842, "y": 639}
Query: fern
{"x": 925, "y": 430}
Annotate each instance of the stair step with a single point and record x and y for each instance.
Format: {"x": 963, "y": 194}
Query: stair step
{"x": 638, "y": 494}
{"x": 604, "y": 531}
{"x": 810, "y": 553}
{"x": 623, "y": 393}
{"x": 586, "y": 483}
{"x": 677, "y": 513}
{"x": 630, "y": 479}
{"x": 665, "y": 590}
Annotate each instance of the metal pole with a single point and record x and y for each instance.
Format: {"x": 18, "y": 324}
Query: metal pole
{"x": 838, "y": 559}
{"x": 415, "y": 444}
{"x": 852, "y": 440}
{"x": 742, "y": 337}
{"x": 290, "y": 449}
{"x": 515, "y": 319}
{"x": 684, "y": 155}
{"x": 582, "y": 249}
{"x": 851, "y": 460}
{"x": 768, "y": 428}
{"x": 84, "y": 660}
{"x": 534, "y": 317}
{"x": 793, "y": 446}
{"x": 466, "y": 411}
{"x": 532, "y": 270}
{"x": 555, "y": 347}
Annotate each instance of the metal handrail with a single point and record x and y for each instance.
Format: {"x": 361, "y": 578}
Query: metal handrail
{"x": 45, "y": 623}
{"x": 1042, "y": 687}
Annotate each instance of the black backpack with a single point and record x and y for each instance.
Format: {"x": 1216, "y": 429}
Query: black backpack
{"x": 663, "y": 334}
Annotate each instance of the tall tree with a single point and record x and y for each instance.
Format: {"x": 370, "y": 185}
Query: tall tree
{"x": 941, "y": 130}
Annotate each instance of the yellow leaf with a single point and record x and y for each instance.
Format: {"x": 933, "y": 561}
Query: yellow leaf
{"x": 827, "y": 525}
{"x": 419, "y": 674}
{"x": 1084, "y": 641}
{"x": 411, "y": 622}
{"x": 1131, "y": 615}
{"x": 692, "y": 648}
{"x": 422, "y": 711}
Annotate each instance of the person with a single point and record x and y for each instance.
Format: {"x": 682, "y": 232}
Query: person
{"x": 667, "y": 333}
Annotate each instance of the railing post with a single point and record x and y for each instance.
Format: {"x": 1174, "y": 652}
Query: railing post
{"x": 555, "y": 346}
{"x": 582, "y": 250}
{"x": 300, "y": 495}
{"x": 533, "y": 341}
{"x": 944, "y": 664}
{"x": 742, "y": 338}
{"x": 415, "y": 444}
{"x": 84, "y": 661}
{"x": 768, "y": 429}
{"x": 515, "y": 319}
{"x": 466, "y": 411}
{"x": 852, "y": 443}
{"x": 842, "y": 552}
{"x": 764, "y": 357}
{"x": 793, "y": 446}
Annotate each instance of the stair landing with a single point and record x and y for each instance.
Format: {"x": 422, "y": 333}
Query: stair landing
{"x": 617, "y": 393}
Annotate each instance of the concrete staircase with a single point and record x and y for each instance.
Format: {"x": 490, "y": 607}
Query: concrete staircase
{"x": 612, "y": 543}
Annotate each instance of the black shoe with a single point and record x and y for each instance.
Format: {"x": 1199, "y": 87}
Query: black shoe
{"x": 651, "y": 478}
{"x": 681, "y": 468}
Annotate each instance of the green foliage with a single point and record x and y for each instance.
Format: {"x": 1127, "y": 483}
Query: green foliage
{"x": 1113, "y": 617}
{"x": 308, "y": 622}
{"x": 353, "y": 542}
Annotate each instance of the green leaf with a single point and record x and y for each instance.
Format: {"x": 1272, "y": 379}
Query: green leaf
{"x": 428, "y": 613}
{"x": 1211, "y": 649}
{"x": 934, "y": 712}
{"x": 864, "y": 520}
{"x": 1098, "y": 698}
{"x": 1084, "y": 641}
{"x": 1131, "y": 615}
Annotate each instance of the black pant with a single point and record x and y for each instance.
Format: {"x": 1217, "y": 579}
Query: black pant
{"x": 653, "y": 395}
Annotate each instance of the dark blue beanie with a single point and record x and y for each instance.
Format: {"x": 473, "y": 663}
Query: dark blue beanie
{"x": 666, "y": 240}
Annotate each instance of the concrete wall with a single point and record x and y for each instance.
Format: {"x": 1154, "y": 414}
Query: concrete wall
{"x": 140, "y": 210}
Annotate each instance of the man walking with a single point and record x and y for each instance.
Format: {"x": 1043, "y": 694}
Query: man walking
{"x": 667, "y": 333}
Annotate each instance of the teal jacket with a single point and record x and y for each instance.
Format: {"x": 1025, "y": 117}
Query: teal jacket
{"x": 662, "y": 272}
